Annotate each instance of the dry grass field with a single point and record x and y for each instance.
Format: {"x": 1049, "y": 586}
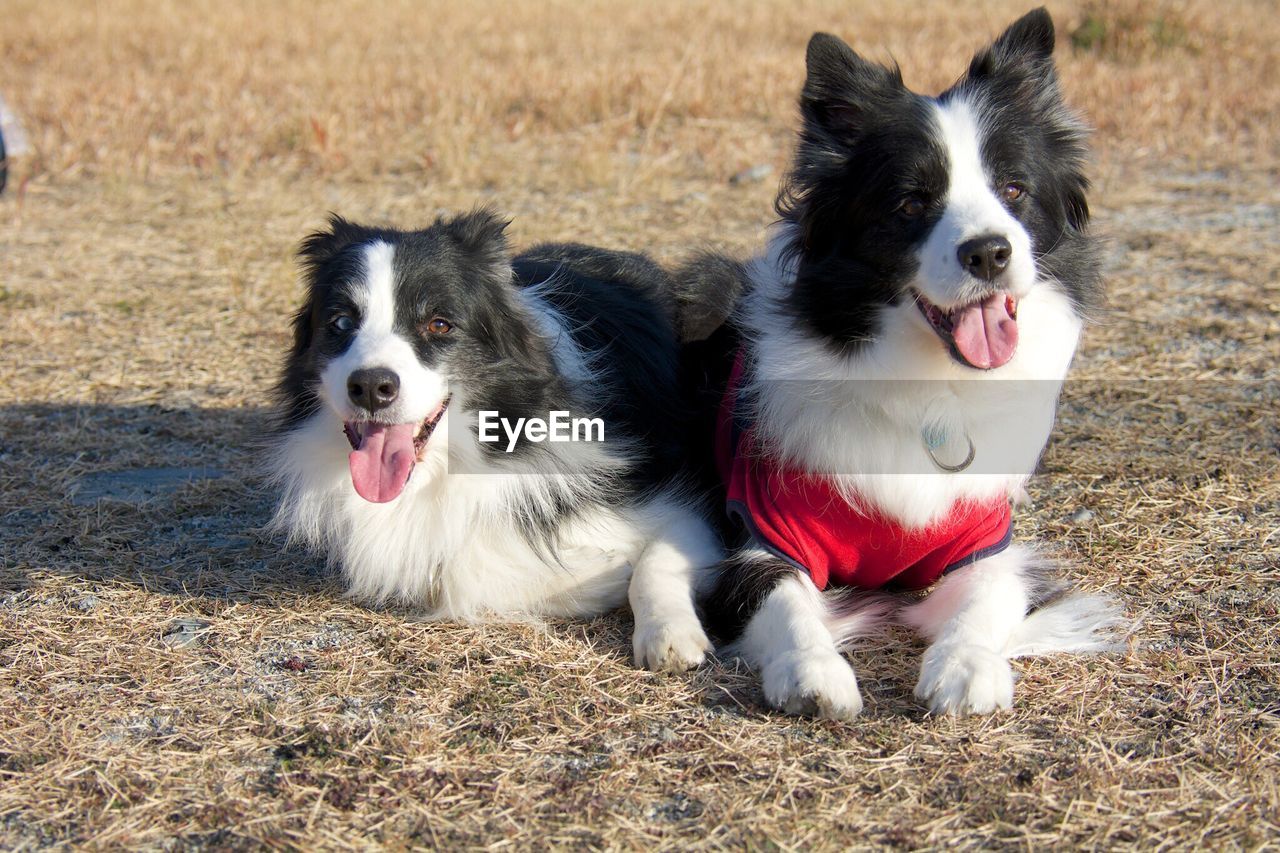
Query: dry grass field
{"x": 181, "y": 150}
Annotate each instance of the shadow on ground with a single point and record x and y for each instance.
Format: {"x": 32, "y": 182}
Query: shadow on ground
{"x": 168, "y": 498}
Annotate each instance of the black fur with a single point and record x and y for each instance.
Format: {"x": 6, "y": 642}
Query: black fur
{"x": 743, "y": 582}
{"x": 618, "y": 307}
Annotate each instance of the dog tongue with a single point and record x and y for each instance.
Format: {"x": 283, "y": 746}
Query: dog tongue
{"x": 380, "y": 466}
{"x": 986, "y": 332}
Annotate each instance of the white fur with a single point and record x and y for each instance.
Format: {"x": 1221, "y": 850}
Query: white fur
{"x": 858, "y": 419}
{"x": 449, "y": 545}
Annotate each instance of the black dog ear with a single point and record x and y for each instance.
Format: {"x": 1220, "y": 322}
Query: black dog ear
{"x": 840, "y": 85}
{"x": 1026, "y": 47}
{"x": 481, "y": 234}
{"x": 1020, "y": 64}
{"x": 1029, "y": 36}
{"x": 320, "y": 247}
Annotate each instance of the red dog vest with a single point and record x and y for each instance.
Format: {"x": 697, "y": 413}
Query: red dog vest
{"x": 804, "y": 520}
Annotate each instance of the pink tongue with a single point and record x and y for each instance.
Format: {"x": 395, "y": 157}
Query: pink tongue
{"x": 986, "y": 333}
{"x": 380, "y": 466}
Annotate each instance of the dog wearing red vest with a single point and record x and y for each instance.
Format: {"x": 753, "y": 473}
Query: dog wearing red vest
{"x": 889, "y": 378}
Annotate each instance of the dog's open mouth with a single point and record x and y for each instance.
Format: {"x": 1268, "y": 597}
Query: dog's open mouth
{"x": 383, "y": 455}
{"x": 982, "y": 334}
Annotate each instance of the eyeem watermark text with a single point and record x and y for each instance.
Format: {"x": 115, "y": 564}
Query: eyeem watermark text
{"x": 558, "y": 426}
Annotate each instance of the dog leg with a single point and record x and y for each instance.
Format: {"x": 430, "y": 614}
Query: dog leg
{"x": 977, "y": 621}
{"x": 970, "y": 619}
{"x": 801, "y": 669}
{"x": 668, "y": 578}
{"x": 790, "y": 632}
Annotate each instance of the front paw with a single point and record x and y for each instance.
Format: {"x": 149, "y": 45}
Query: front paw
{"x": 958, "y": 678}
{"x": 812, "y": 683}
{"x": 670, "y": 645}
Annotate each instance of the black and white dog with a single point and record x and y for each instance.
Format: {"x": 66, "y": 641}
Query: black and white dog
{"x": 892, "y": 373}
{"x": 429, "y": 378}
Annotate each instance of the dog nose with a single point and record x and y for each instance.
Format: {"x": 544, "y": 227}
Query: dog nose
{"x": 985, "y": 257}
{"x": 373, "y": 389}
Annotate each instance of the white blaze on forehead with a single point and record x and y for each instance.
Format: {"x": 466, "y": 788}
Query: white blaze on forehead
{"x": 971, "y": 209}
{"x": 378, "y": 290}
{"x": 962, "y": 139}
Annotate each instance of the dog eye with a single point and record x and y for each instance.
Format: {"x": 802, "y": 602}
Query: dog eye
{"x": 911, "y": 206}
{"x": 437, "y": 326}
{"x": 342, "y": 323}
{"x": 1013, "y": 191}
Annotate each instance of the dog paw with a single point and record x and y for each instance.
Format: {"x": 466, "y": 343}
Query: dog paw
{"x": 812, "y": 683}
{"x": 964, "y": 679}
{"x": 672, "y": 645}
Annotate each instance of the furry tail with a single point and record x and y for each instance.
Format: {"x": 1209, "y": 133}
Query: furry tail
{"x": 1076, "y": 623}
{"x": 850, "y": 615}
{"x": 707, "y": 289}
